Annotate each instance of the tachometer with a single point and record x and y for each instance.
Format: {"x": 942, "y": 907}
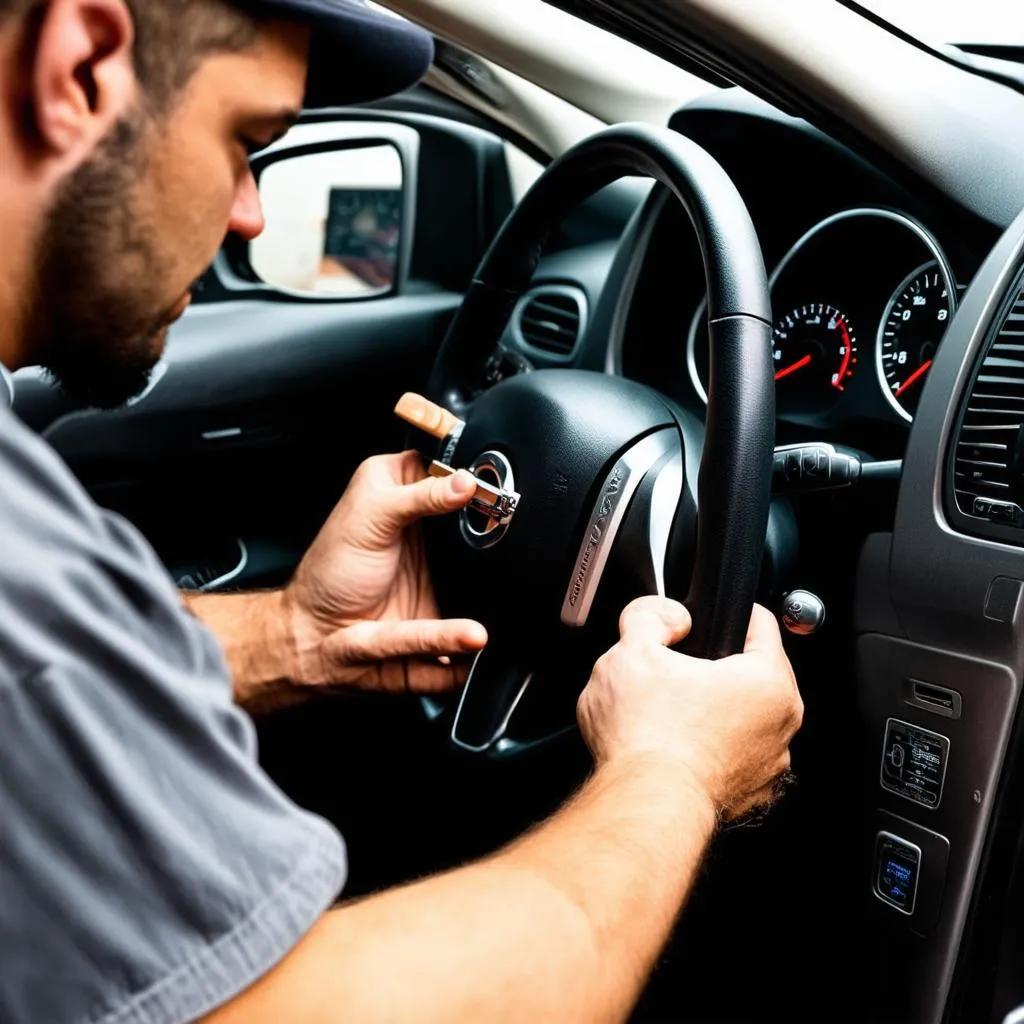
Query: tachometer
{"x": 815, "y": 353}
{"x": 912, "y": 327}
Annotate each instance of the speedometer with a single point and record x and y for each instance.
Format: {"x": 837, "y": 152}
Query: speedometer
{"x": 912, "y": 327}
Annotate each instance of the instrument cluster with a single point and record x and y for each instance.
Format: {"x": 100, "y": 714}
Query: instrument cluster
{"x": 861, "y": 303}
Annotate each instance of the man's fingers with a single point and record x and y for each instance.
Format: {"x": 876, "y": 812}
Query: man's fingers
{"x": 400, "y": 506}
{"x": 367, "y": 642}
{"x": 409, "y": 675}
{"x": 655, "y": 620}
{"x": 406, "y": 656}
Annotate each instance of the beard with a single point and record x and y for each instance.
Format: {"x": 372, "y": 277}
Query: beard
{"x": 99, "y": 316}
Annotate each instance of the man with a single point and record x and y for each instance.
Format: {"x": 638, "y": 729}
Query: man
{"x": 149, "y": 872}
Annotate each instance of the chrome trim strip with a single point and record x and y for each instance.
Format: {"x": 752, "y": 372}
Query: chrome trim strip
{"x": 222, "y": 435}
{"x": 668, "y": 490}
{"x": 691, "y": 350}
{"x": 499, "y": 732}
{"x": 229, "y": 577}
{"x": 605, "y": 521}
{"x": 6, "y": 387}
{"x": 157, "y": 375}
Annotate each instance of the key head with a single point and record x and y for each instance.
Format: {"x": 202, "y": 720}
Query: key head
{"x": 426, "y": 416}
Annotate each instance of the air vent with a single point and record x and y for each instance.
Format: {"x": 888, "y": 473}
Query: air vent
{"x": 987, "y": 472}
{"x": 551, "y": 320}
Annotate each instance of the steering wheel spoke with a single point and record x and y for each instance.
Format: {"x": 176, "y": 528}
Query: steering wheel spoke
{"x": 496, "y": 684}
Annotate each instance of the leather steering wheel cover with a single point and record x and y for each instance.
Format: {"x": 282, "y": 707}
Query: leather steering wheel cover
{"x": 734, "y": 488}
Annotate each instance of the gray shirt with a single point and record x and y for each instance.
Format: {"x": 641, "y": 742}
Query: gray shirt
{"x": 149, "y": 870}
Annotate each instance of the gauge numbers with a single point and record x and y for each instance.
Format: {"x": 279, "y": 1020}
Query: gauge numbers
{"x": 814, "y": 351}
{"x": 912, "y": 327}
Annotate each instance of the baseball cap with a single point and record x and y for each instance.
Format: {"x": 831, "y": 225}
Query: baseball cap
{"x": 358, "y": 51}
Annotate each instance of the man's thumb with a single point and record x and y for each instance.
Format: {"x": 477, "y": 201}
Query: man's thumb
{"x": 433, "y": 496}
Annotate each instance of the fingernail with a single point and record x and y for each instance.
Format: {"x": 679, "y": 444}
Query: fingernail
{"x": 673, "y": 613}
{"x": 463, "y": 483}
{"x": 476, "y": 635}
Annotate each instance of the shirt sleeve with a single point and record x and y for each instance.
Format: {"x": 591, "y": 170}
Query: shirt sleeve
{"x": 149, "y": 870}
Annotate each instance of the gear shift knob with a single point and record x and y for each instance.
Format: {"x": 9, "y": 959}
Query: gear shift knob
{"x": 803, "y": 613}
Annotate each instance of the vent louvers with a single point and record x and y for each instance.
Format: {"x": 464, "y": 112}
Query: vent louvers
{"x": 551, "y": 320}
{"x": 987, "y": 478}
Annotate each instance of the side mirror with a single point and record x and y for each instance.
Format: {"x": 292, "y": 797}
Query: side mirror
{"x": 339, "y": 214}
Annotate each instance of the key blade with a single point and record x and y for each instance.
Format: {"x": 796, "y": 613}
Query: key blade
{"x": 486, "y": 494}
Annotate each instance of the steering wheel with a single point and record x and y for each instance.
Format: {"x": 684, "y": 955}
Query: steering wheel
{"x": 612, "y": 502}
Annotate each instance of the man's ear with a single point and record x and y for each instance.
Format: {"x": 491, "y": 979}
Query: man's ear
{"x": 83, "y": 74}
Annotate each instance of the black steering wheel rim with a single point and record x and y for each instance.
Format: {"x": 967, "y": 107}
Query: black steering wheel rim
{"x": 733, "y": 490}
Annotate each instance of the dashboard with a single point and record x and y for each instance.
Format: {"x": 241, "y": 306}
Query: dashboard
{"x": 866, "y": 276}
{"x": 876, "y": 332}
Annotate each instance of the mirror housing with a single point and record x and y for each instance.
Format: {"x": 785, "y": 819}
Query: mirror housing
{"x": 339, "y": 200}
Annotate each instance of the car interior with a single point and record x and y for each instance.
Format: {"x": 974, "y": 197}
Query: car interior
{"x": 583, "y": 233}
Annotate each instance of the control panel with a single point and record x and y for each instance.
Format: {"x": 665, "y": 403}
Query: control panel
{"x": 914, "y": 762}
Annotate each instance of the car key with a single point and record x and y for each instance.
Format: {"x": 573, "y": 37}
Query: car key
{"x": 492, "y": 501}
{"x": 438, "y": 422}
{"x": 432, "y": 419}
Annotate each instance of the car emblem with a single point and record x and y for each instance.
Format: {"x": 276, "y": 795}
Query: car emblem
{"x": 484, "y": 524}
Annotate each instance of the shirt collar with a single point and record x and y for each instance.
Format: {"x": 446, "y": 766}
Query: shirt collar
{"x": 6, "y": 388}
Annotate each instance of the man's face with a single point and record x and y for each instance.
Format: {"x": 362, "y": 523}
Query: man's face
{"x": 131, "y": 229}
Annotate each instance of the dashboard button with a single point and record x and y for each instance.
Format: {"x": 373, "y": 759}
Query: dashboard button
{"x": 814, "y": 465}
{"x": 1004, "y": 512}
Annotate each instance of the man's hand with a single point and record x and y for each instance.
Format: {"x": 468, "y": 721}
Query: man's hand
{"x": 586, "y": 901}
{"x": 361, "y": 605}
{"x": 726, "y": 724}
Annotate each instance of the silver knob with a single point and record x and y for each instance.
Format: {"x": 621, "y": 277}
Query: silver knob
{"x": 803, "y": 613}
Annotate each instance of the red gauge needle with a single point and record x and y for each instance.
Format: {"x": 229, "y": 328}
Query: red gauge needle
{"x": 798, "y": 365}
{"x": 916, "y": 375}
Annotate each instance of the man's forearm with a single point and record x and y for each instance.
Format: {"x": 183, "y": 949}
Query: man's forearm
{"x": 565, "y": 924}
{"x": 258, "y": 642}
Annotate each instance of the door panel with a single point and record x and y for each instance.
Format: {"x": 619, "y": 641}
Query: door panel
{"x": 260, "y": 416}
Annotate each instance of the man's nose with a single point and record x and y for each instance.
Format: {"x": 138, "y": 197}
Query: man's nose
{"x": 247, "y": 217}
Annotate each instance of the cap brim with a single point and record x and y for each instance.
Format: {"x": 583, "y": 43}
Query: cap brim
{"x": 357, "y": 53}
